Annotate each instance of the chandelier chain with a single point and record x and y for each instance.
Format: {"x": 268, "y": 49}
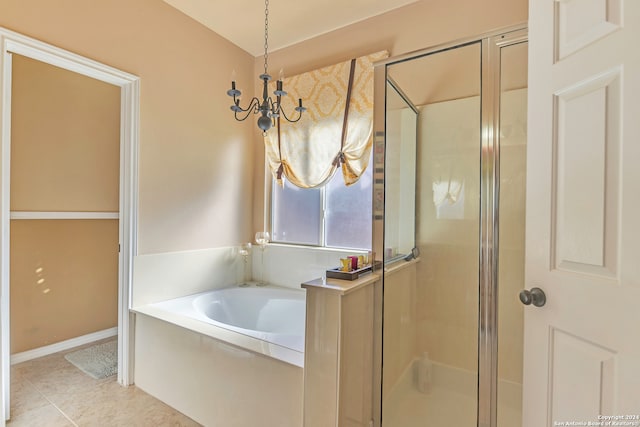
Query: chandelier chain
{"x": 266, "y": 33}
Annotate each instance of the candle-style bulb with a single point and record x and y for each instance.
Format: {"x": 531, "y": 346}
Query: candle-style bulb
{"x": 233, "y": 91}
{"x": 281, "y": 75}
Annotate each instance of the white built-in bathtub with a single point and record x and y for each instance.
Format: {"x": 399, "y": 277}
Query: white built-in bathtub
{"x": 214, "y": 354}
{"x": 269, "y": 313}
{"x": 264, "y": 319}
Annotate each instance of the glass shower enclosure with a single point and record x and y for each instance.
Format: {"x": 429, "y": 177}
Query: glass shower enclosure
{"x": 452, "y": 232}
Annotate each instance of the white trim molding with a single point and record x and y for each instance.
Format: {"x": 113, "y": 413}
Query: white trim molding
{"x": 63, "y": 345}
{"x": 14, "y": 43}
{"x": 63, "y": 215}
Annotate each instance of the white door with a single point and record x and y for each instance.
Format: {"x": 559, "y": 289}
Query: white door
{"x": 582, "y": 349}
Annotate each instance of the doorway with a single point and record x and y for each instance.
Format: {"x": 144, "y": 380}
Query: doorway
{"x": 452, "y": 322}
{"x": 16, "y": 44}
{"x": 65, "y": 138}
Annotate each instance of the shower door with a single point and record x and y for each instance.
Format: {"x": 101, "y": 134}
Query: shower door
{"x": 512, "y": 154}
{"x": 440, "y": 301}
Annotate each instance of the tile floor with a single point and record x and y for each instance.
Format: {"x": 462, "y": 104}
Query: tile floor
{"x": 51, "y": 392}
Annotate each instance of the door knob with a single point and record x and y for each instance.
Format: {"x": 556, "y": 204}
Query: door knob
{"x": 534, "y": 296}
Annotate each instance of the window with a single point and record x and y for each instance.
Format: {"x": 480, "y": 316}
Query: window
{"x": 333, "y": 216}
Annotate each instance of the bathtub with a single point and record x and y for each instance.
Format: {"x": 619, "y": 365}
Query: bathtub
{"x": 269, "y": 313}
{"x": 268, "y": 319}
{"x": 214, "y": 354}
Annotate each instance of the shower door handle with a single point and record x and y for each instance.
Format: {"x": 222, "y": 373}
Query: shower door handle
{"x": 534, "y": 296}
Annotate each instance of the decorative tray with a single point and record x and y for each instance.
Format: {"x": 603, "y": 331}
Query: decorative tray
{"x": 336, "y": 273}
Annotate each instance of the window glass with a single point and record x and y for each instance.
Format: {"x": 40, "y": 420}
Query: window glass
{"x": 296, "y": 214}
{"x": 348, "y": 212}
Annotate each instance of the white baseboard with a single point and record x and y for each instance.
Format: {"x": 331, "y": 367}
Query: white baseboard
{"x": 63, "y": 345}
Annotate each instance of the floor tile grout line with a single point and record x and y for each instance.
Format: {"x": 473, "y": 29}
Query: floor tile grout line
{"x": 62, "y": 412}
{"x": 41, "y": 393}
{"x": 44, "y": 396}
{"x": 56, "y": 406}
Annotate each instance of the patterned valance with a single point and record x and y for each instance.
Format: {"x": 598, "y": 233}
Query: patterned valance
{"x": 329, "y": 135}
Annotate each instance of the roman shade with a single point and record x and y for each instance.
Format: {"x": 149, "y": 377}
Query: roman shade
{"x": 335, "y": 133}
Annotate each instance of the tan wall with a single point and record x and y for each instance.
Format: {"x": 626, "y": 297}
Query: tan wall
{"x": 416, "y": 26}
{"x": 196, "y": 162}
{"x": 63, "y": 284}
{"x": 65, "y": 146}
{"x": 65, "y": 136}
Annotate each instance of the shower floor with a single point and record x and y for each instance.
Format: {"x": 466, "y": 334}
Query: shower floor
{"x": 450, "y": 402}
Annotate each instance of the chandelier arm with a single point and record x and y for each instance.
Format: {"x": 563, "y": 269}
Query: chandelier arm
{"x": 252, "y": 108}
{"x": 288, "y": 119}
{"x": 241, "y": 119}
{"x": 255, "y": 104}
{"x": 273, "y": 106}
{"x": 277, "y": 105}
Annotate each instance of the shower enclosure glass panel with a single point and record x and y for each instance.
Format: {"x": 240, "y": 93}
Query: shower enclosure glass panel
{"x": 400, "y": 166}
{"x": 430, "y": 331}
{"x": 513, "y": 140}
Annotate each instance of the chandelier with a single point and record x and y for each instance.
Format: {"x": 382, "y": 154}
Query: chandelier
{"x": 268, "y": 109}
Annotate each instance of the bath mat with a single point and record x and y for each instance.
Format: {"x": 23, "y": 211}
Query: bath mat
{"x": 98, "y": 361}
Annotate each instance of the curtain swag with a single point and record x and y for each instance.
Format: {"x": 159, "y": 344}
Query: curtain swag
{"x": 336, "y": 132}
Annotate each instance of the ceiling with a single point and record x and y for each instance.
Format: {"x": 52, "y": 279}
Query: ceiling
{"x": 290, "y": 21}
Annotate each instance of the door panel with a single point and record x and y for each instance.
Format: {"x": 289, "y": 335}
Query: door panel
{"x": 586, "y": 146}
{"x": 582, "y": 372}
{"x": 582, "y": 359}
{"x": 580, "y": 23}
